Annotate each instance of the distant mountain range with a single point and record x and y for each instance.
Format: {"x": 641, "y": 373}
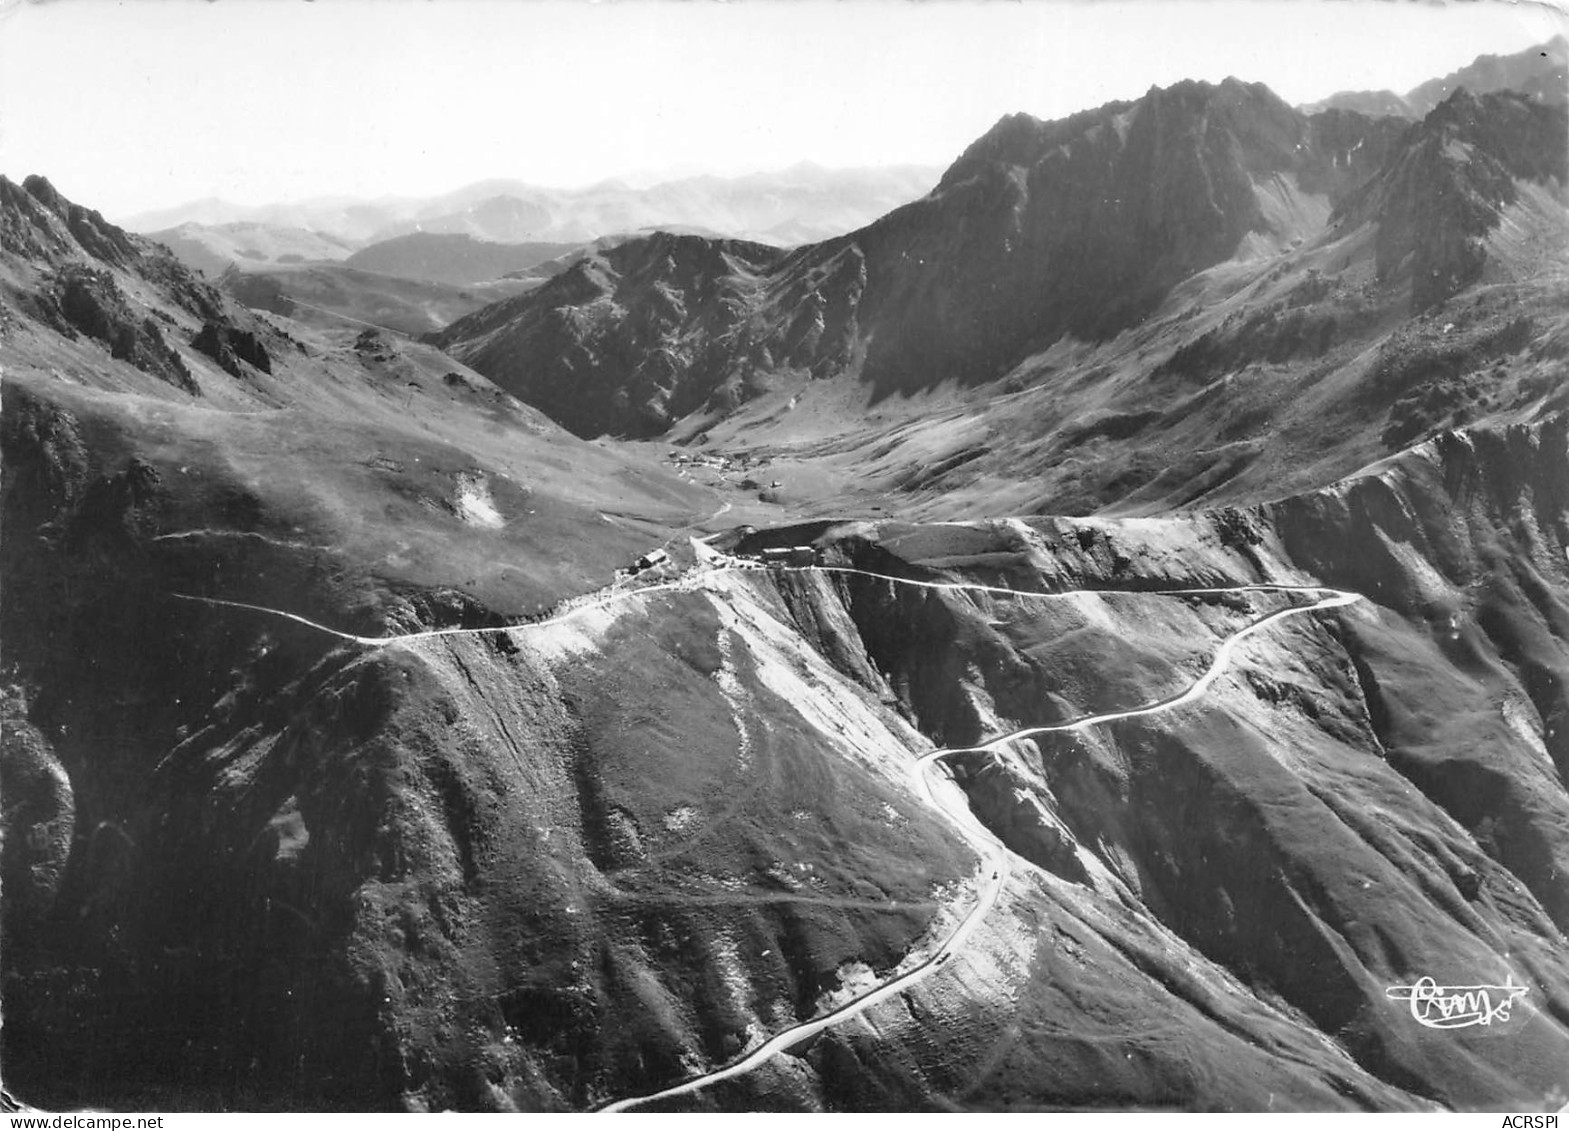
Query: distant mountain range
{"x": 212, "y": 249}
{"x": 1540, "y": 72}
{"x": 795, "y": 205}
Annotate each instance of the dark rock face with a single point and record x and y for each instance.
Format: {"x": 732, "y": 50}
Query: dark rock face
{"x": 27, "y": 228}
{"x": 229, "y": 345}
{"x": 89, "y": 302}
{"x": 102, "y": 240}
{"x": 1444, "y": 189}
{"x": 1347, "y": 149}
{"x": 38, "y": 223}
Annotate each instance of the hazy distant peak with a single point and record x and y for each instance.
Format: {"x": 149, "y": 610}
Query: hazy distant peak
{"x": 796, "y": 205}
{"x": 1540, "y": 72}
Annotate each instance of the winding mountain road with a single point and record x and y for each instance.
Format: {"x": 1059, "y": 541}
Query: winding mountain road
{"x": 996, "y": 859}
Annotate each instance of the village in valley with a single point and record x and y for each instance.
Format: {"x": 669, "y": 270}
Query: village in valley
{"x": 743, "y": 462}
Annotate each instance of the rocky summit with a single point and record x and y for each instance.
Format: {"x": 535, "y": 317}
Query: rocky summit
{"x": 1094, "y": 638}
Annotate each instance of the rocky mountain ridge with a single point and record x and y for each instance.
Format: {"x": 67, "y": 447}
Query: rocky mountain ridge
{"x": 83, "y": 262}
{"x": 1435, "y": 205}
{"x": 1078, "y": 228}
{"x": 1541, "y": 73}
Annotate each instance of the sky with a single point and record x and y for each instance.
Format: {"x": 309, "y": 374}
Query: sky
{"x": 130, "y": 105}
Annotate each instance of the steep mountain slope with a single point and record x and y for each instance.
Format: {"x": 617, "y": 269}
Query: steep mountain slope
{"x": 1293, "y": 830}
{"x": 1541, "y": 73}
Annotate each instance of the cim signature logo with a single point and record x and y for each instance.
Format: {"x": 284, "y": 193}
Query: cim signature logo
{"x": 1456, "y": 1007}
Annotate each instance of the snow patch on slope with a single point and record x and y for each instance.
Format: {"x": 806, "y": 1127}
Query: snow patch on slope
{"x": 474, "y": 504}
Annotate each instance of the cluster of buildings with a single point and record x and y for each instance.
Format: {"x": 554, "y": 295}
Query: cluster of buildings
{"x": 717, "y": 462}
{"x": 714, "y": 463}
{"x": 770, "y": 556}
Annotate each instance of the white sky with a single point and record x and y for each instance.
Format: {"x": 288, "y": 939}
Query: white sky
{"x": 128, "y": 106}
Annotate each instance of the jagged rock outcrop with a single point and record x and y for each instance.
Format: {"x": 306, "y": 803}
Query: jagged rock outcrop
{"x": 230, "y": 345}
{"x": 90, "y": 278}
{"x": 1346, "y": 149}
{"x": 1446, "y": 187}
{"x": 40, "y": 225}
{"x": 36, "y": 211}
{"x": 89, "y": 302}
